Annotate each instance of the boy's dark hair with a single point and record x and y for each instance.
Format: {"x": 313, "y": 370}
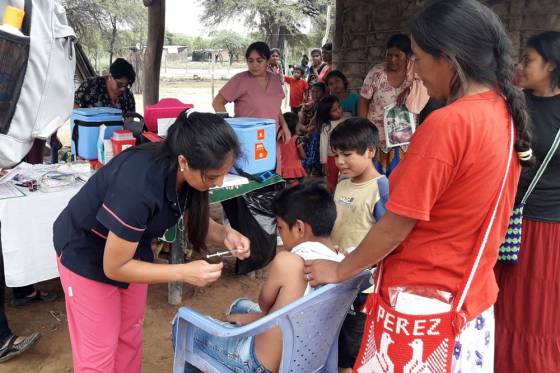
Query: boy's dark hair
{"x": 299, "y": 68}
{"x": 292, "y": 121}
{"x": 337, "y": 74}
{"x": 327, "y": 47}
{"x": 309, "y": 202}
{"x": 261, "y": 48}
{"x": 121, "y": 68}
{"x": 315, "y": 51}
{"x": 320, "y": 85}
{"x": 354, "y": 134}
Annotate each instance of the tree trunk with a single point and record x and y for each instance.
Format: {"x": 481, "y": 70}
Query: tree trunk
{"x": 152, "y": 61}
{"x": 275, "y": 36}
{"x": 338, "y": 35}
{"x": 113, "y": 38}
{"x": 327, "y": 26}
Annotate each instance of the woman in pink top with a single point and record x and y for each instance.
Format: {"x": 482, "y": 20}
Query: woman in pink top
{"x": 256, "y": 93}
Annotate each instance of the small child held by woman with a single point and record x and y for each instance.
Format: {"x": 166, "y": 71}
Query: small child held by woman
{"x": 329, "y": 115}
{"x": 312, "y": 163}
{"x": 292, "y": 153}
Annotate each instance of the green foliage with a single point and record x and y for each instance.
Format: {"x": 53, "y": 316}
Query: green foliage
{"x": 276, "y": 20}
{"x": 107, "y": 26}
{"x": 229, "y": 41}
{"x": 178, "y": 39}
{"x": 200, "y": 43}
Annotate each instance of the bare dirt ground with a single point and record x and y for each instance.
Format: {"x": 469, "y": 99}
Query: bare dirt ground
{"x": 52, "y": 354}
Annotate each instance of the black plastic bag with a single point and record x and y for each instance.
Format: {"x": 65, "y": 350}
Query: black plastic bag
{"x": 251, "y": 215}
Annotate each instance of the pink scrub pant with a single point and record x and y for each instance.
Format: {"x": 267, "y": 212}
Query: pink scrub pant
{"x": 105, "y": 324}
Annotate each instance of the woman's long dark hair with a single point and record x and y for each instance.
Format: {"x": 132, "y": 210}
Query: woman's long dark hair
{"x": 322, "y": 116}
{"x": 474, "y": 39}
{"x": 547, "y": 44}
{"x": 206, "y": 141}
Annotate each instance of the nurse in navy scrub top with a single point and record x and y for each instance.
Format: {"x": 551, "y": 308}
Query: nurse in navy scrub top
{"x": 103, "y": 237}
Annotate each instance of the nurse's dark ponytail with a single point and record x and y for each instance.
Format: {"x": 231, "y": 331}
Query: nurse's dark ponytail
{"x": 206, "y": 141}
{"x": 474, "y": 39}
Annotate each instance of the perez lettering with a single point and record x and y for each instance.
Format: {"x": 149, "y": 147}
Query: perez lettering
{"x": 399, "y": 325}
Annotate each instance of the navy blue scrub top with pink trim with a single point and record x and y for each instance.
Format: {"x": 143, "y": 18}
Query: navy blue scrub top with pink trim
{"x": 133, "y": 196}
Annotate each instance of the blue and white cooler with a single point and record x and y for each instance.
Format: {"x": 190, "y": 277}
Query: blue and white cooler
{"x": 84, "y": 126}
{"x": 258, "y": 143}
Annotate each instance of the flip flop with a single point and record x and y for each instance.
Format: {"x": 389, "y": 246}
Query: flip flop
{"x": 12, "y": 349}
{"x": 47, "y": 297}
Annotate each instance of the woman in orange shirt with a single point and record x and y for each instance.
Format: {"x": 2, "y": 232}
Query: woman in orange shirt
{"x": 447, "y": 188}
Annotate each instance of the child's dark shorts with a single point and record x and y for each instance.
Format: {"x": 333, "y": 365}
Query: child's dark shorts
{"x": 351, "y": 333}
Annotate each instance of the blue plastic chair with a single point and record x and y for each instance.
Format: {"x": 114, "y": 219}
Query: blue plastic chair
{"x": 310, "y": 327}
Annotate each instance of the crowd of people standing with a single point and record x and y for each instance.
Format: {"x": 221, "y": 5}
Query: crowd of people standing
{"x": 481, "y": 80}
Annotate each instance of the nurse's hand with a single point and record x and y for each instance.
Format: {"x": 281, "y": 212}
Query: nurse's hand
{"x": 319, "y": 272}
{"x": 200, "y": 272}
{"x": 238, "y": 244}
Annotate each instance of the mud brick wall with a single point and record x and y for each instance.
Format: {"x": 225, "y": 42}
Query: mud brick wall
{"x": 363, "y": 27}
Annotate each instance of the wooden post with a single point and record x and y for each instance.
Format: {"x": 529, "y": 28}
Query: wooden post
{"x": 152, "y": 63}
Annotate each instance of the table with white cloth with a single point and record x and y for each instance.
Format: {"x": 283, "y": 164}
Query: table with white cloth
{"x": 27, "y": 234}
{"x": 27, "y": 229}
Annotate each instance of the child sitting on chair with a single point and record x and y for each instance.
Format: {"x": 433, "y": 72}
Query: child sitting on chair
{"x": 305, "y": 214}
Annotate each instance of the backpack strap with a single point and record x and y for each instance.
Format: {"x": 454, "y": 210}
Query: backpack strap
{"x": 542, "y": 168}
{"x": 379, "y": 208}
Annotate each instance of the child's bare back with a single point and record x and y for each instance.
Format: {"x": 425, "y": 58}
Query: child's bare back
{"x": 305, "y": 215}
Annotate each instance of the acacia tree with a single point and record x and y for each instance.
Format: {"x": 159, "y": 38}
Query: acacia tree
{"x": 107, "y": 24}
{"x": 277, "y": 20}
{"x": 233, "y": 43}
